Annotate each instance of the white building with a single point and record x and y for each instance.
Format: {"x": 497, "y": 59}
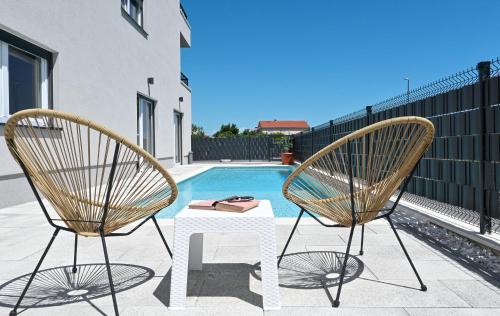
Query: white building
{"x": 283, "y": 127}
{"x": 94, "y": 58}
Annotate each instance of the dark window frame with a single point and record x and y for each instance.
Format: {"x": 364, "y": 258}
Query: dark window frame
{"x": 181, "y": 115}
{"x": 153, "y": 125}
{"x": 132, "y": 20}
{"x": 35, "y": 62}
{"x": 33, "y": 49}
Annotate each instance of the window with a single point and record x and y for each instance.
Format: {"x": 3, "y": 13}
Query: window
{"x": 134, "y": 10}
{"x": 145, "y": 124}
{"x": 23, "y": 80}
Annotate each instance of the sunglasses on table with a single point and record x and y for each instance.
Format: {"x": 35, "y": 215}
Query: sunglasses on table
{"x": 234, "y": 198}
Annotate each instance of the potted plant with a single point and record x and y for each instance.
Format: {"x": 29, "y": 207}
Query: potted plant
{"x": 287, "y": 154}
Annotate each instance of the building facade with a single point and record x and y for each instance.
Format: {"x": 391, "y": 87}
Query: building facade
{"x": 282, "y": 127}
{"x": 116, "y": 62}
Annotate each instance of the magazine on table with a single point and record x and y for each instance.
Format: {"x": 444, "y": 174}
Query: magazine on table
{"x": 238, "y": 204}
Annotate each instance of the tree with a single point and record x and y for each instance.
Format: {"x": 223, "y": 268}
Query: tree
{"x": 227, "y": 130}
{"x": 197, "y": 131}
{"x": 249, "y": 132}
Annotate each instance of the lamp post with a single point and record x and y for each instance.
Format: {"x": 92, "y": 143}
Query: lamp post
{"x": 407, "y": 90}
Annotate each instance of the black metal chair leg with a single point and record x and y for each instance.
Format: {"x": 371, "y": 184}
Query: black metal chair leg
{"x": 361, "y": 252}
{"x": 14, "y": 311}
{"x": 74, "y": 254}
{"x": 290, "y": 237}
{"x": 162, "y": 237}
{"x": 111, "y": 286}
{"x": 422, "y": 285}
{"x": 336, "y": 303}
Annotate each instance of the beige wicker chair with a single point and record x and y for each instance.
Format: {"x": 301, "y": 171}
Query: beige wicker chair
{"x": 351, "y": 180}
{"x": 96, "y": 181}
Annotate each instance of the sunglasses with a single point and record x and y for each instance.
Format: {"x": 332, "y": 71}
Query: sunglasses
{"x": 234, "y": 198}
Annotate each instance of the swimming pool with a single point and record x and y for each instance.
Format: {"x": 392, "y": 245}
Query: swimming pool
{"x": 263, "y": 183}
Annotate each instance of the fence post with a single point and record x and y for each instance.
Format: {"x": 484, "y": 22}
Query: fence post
{"x": 369, "y": 117}
{"x": 269, "y": 147}
{"x": 312, "y": 141}
{"x": 483, "y": 69}
{"x": 331, "y": 131}
{"x": 295, "y": 152}
{"x": 248, "y": 149}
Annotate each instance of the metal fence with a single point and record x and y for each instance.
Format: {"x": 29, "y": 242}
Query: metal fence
{"x": 248, "y": 148}
{"x": 461, "y": 170}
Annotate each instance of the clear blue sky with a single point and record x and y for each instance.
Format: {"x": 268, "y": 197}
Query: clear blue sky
{"x": 316, "y": 60}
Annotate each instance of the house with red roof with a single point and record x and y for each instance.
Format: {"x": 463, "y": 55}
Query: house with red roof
{"x": 284, "y": 127}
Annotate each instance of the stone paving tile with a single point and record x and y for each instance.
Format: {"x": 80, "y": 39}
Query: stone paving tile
{"x": 386, "y": 268}
{"x": 453, "y": 311}
{"x": 248, "y": 253}
{"x": 73, "y": 309}
{"x": 493, "y": 285}
{"x": 193, "y": 311}
{"x": 331, "y": 239}
{"x": 421, "y": 252}
{"x": 415, "y": 251}
{"x": 474, "y": 293}
{"x": 34, "y": 221}
{"x": 381, "y": 239}
{"x": 149, "y": 251}
{"x": 390, "y": 262}
{"x": 13, "y": 269}
{"x": 24, "y": 253}
{"x": 473, "y": 271}
{"x": 341, "y": 311}
{"x": 366, "y": 272}
{"x": 304, "y": 297}
{"x": 317, "y": 229}
{"x": 398, "y": 293}
{"x": 27, "y": 237}
{"x": 162, "y": 267}
{"x": 230, "y": 284}
{"x": 379, "y": 227}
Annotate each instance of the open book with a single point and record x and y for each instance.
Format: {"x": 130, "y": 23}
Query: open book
{"x": 237, "y": 206}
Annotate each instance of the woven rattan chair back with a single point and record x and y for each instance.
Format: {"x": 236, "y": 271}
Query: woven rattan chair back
{"x": 381, "y": 156}
{"x": 70, "y": 161}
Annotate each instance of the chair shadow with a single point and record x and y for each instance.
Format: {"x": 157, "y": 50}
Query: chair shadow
{"x": 215, "y": 280}
{"x": 390, "y": 283}
{"x": 314, "y": 269}
{"x": 59, "y": 286}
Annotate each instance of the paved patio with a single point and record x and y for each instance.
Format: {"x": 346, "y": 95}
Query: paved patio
{"x": 380, "y": 282}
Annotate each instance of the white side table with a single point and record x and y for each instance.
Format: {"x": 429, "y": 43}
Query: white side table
{"x": 188, "y": 247}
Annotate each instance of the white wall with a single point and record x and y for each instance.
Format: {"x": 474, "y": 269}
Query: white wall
{"x": 101, "y": 63}
{"x": 283, "y": 131}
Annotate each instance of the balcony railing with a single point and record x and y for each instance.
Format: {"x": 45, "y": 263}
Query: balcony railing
{"x": 184, "y": 79}
{"x": 183, "y": 11}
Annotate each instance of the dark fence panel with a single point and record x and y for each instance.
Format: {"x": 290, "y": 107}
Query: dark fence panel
{"x": 249, "y": 148}
{"x": 462, "y": 167}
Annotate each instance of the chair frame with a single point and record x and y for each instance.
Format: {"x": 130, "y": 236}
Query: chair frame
{"x": 386, "y": 215}
{"x": 102, "y": 234}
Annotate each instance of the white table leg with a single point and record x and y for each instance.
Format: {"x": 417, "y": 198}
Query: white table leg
{"x": 269, "y": 269}
{"x": 196, "y": 252}
{"x": 178, "y": 281}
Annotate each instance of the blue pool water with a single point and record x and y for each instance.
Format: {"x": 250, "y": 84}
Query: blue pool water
{"x": 263, "y": 183}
